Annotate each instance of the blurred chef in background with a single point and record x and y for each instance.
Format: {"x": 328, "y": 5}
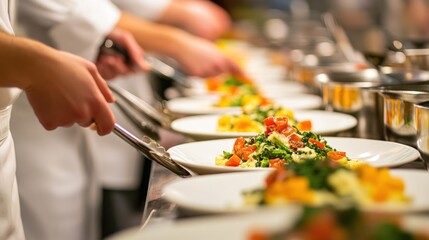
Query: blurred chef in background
{"x": 60, "y": 191}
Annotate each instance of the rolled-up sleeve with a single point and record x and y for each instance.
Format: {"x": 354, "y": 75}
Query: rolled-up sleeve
{"x": 75, "y": 26}
{"x": 147, "y": 9}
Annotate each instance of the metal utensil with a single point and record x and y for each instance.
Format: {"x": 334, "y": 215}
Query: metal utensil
{"x": 143, "y": 107}
{"x": 422, "y": 128}
{"x": 152, "y": 150}
{"x": 137, "y": 119}
{"x": 159, "y": 66}
{"x": 399, "y": 111}
{"x": 341, "y": 38}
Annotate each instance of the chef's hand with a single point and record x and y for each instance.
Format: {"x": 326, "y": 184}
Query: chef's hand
{"x": 65, "y": 89}
{"x": 112, "y": 65}
{"x": 200, "y": 17}
{"x": 200, "y": 57}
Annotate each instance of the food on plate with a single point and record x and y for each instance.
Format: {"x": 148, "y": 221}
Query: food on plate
{"x": 324, "y": 182}
{"x": 236, "y": 91}
{"x": 347, "y": 224}
{"x": 279, "y": 144}
{"x": 252, "y": 119}
{"x": 230, "y": 83}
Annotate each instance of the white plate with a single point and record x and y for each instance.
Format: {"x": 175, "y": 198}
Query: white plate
{"x": 204, "y": 127}
{"x": 222, "y": 193}
{"x": 226, "y": 227}
{"x": 238, "y": 227}
{"x": 205, "y": 105}
{"x": 200, "y": 156}
{"x": 274, "y": 90}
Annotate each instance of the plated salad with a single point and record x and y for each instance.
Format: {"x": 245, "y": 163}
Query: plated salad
{"x": 324, "y": 182}
{"x": 348, "y": 224}
{"x": 236, "y": 91}
{"x": 252, "y": 119}
{"x": 279, "y": 144}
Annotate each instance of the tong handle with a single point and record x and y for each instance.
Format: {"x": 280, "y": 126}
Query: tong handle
{"x": 143, "y": 107}
{"x": 151, "y": 150}
{"x": 159, "y": 66}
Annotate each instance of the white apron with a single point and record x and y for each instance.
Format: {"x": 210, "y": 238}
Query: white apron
{"x": 10, "y": 218}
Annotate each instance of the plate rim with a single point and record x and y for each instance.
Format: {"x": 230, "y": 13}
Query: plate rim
{"x": 166, "y": 194}
{"x": 212, "y": 110}
{"x": 348, "y": 117}
{"x": 195, "y": 167}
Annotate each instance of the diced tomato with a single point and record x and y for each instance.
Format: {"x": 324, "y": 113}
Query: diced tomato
{"x": 244, "y": 79}
{"x": 318, "y": 143}
{"x": 233, "y": 161}
{"x": 305, "y": 125}
{"x": 278, "y": 175}
{"x": 336, "y": 155}
{"x": 246, "y": 151}
{"x": 288, "y": 131}
{"x": 269, "y": 121}
{"x": 295, "y": 141}
{"x": 294, "y": 137}
{"x": 265, "y": 101}
{"x": 238, "y": 145}
{"x": 234, "y": 90}
{"x": 281, "y": 124}
{"x": 258, "y": 235}
{"x": 277, "y": 163}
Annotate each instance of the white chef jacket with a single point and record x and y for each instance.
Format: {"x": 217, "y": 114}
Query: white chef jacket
{"x": 119, "y": 165}
{"x": 10, "y": 219}
{"x": 147, "y": 9}
{"x": 59, "y": 194}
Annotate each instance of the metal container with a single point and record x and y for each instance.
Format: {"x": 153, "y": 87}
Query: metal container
{"x": 306, "y": 74}
{"x": 422, "y": 130}
{"x": 347, "y": 92}
{"x": 417, "y": 58}
{"x": 399, "y": 113}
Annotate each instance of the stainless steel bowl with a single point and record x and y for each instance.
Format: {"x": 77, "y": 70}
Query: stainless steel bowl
{"x": 417, "y": 58}
{"x": 347, "y": 92}
{"x": 401, "y": 76}
{"x": 422, "y": 128}
{"x": 399, "y": 113}
{"x": 306, "y": 74}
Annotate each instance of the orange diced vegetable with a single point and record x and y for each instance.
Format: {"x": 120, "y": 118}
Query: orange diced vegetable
{"x": 305, "y": 125}
{"x": 318, "y": 143}
{"x": 336, "y": 155}
{"x": 233, "y": 161}
{"x": 246, "y": 151}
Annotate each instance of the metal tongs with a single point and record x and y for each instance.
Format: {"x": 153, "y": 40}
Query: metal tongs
{"x": 158, "y": 65}
{"x": 154, "y": 115}
{"x": 152, "y": 150}
{"x": 341, "y": 38}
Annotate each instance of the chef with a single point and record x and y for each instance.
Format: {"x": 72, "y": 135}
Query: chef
{"x": 37, "y": 70}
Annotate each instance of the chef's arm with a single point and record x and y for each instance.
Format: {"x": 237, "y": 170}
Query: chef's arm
{"x": 198, "y": 56}
{"x": 62, "y": 89}
{"x": 200, "y": 17}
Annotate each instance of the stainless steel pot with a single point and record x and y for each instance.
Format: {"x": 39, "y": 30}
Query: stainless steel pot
{"x": 399, "y": 113}
{"x": 422, "y": 130}
{"x": 355, "y": 93}
{"x": 346, "y": 92}
{"x": 306, "y": 74}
